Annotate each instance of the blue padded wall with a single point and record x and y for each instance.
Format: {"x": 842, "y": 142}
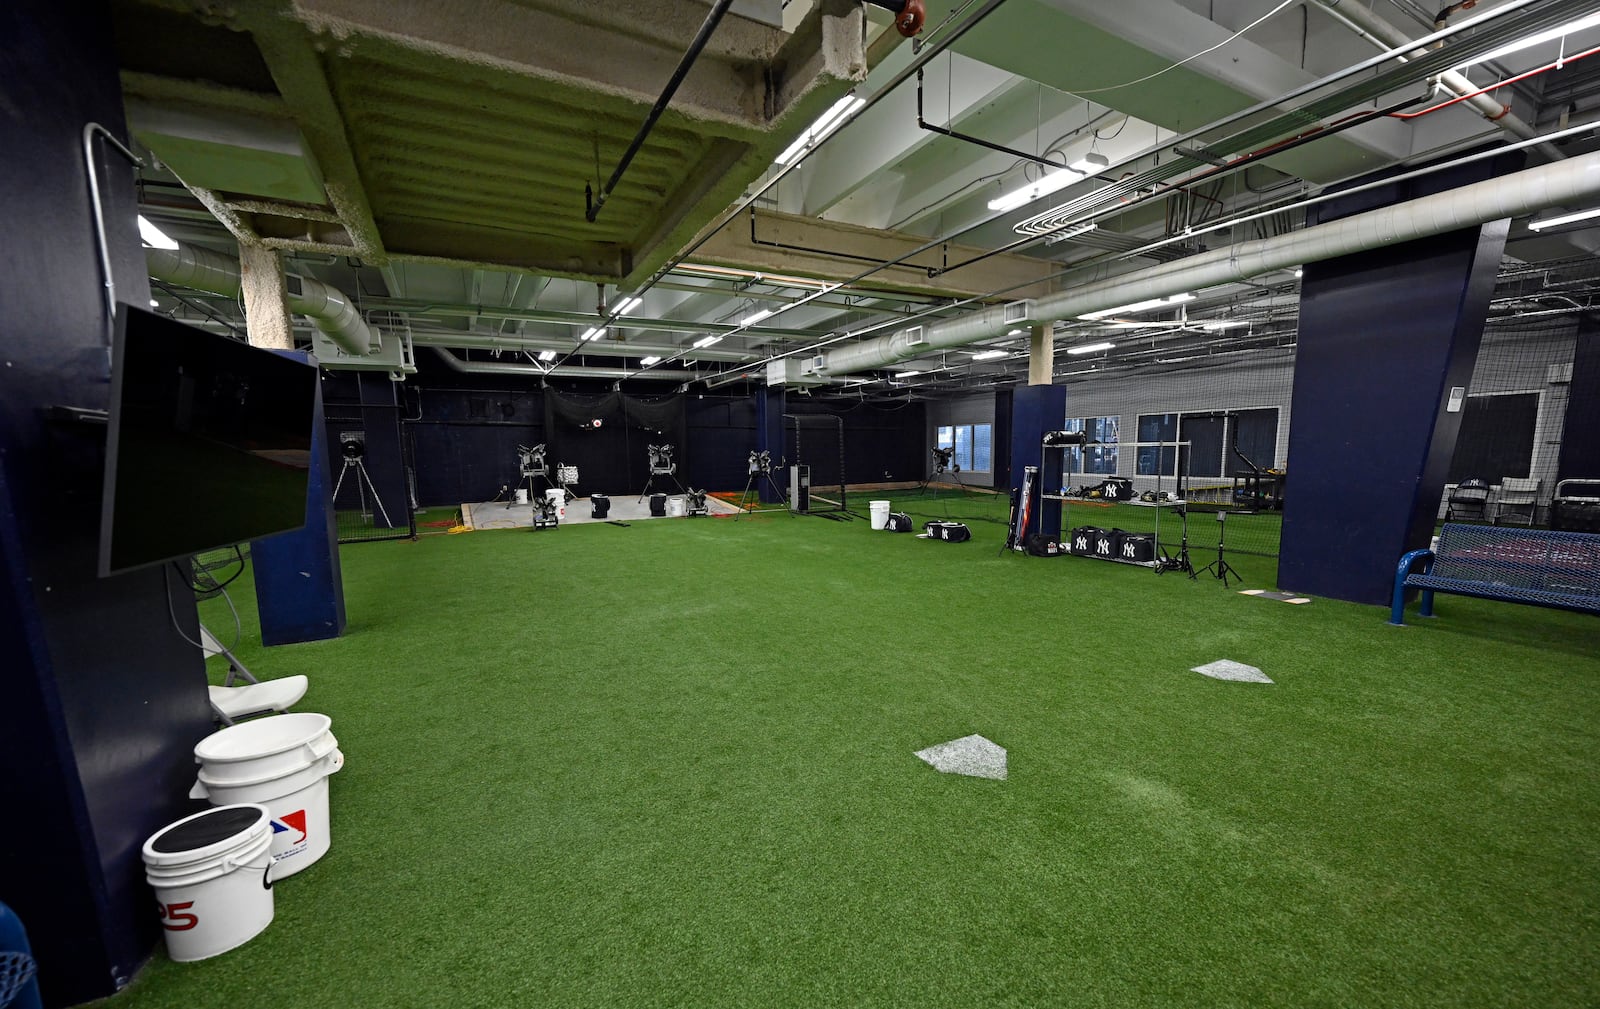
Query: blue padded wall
{"x": 1036, "y": 409}
{"x": 1580, "y": 438}
{"x": 101, "y": 699}
{"x": 299, "y": 584}
{"x": 1384, "y": 336}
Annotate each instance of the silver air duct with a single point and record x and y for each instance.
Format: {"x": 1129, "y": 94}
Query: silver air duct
{"x": 1573, "y": 181}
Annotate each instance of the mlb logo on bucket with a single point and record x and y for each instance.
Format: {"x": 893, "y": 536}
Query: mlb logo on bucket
{"x": 294, "y": 822}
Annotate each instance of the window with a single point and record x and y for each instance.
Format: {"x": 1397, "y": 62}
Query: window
{"x": 1255, "y": 434}
{"x": 1100, "y": 455}
{"x": 1154, "y": 460}
{"x": 1496, "y": 439}
{"x": 973, "y": 444}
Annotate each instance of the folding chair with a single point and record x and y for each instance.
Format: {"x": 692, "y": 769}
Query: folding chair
{"x": 253, "y": 697}
{"x": 1518, "y": 499}
{"x": 1469, "y": 502}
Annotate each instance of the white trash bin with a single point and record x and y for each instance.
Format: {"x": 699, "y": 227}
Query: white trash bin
{"x": 281, "y": 762}
{"x": 558, "y": 497}
{"x": 212, "y": 873}
{"x": 880, "y": 514}
{"x": 521, "y": 496}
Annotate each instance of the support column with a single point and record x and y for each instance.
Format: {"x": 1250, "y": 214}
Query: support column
{"x": 1036, "y": 409}
{"x": 1041, "y": 353}
{"x": 299, "y": 584}
{"x": 1388, "y": 340}
{"x": 266, "y": 298}
{"x": 101, "y": 698}
{"x": 1580, "y": 436}
{"x": 769, "y": 438}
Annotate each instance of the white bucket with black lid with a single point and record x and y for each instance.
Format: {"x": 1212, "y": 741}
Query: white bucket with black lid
{"x": 212, "y": 874}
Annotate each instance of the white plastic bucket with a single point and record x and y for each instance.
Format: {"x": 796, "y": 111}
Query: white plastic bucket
{"x": 265, "y": 747}
{"x": 675, "y": 506}
{"x": 294, "y": 791}
{"x": 880, "y": 514}
{"x": 558, "y": 497}
{"x": 521, "y": 496}
{"x": 212, "y": 874}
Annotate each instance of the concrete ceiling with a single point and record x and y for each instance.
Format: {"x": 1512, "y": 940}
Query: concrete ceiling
{"x": 445, "y": 148}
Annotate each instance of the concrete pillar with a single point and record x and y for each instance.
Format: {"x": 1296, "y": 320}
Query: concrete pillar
{"x": 1041, "y": 353}
{"x": 266, "y": 299}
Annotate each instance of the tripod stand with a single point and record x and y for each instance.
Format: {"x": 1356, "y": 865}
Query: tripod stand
{"x": 1180, "y": 562}
{"x": 1220, "y": 567}
{"x": 760, "y": 469}
{"x": 532, "y": 468}
{"x": 661, "y": 464}
{"x": 353, "y": 462}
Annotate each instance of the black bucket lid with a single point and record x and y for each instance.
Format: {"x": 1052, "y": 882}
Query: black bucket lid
{"x": 206, "y": 829}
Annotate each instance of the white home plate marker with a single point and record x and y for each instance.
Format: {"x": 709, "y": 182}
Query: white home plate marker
{"x": 973, "y": 756}
{"x": 1227, "y": 669}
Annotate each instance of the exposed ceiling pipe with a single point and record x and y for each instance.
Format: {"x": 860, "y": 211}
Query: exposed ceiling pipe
{"x": 1515, "y": 195}
{"x": 1385, "y": 35}
{"x": 598, "y": 348}
{"x": 560, "y": 371}
{"x": 327, "y": 307}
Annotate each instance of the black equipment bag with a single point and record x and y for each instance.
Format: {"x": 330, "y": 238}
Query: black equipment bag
{"x": 599, "y": 506}
{"x": 1117, "y": 488}
{"x": 1040, "y": 545}
{"x": 658, "y": 505}
{"x": 1139, "y": 547}
{"x": 899, "y": 522}
{"x": 1106, "y": 544}
{"x": 1082, "y": 540}
{"x": 950, "y": 532}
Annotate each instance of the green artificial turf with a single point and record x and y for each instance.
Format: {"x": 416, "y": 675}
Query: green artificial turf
{"x": 672, "y": 765}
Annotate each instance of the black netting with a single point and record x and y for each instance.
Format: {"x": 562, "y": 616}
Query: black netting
{"x": 612, "y": 455}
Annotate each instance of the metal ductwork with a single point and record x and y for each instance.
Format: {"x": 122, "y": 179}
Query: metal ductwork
{"x": 327, "y": 307}
{"x": 563, "y": 371}
{"x": 1386, "y": 36}
{"x": 1572, "y": 181}
{"x": 598, "y": 348}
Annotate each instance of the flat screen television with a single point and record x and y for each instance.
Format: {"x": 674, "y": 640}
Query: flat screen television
{"x": 208, "y": 442}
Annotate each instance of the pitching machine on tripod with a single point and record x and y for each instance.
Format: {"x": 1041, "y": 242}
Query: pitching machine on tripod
{"x": 760, "y": 469}
{"x": 353, "y": 447}
{"x": 661, "y": 465}
{"x": 533, "y": 468}
{"x": 943, "y": 460}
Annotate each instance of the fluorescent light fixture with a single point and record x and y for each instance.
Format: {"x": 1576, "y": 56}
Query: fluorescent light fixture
{"x": 154, "y": 303}
{"x": 1015, "y": 332}
{"x": 592, "y": 333}
{"x": 1299, "y": 272}
{"x": 989, "y": 355}
{"x": 1087, "y": 165}
{"x": 547, "y": 355}
{"x": 826, "y": 123}
{"x": 645, "y": 362}
{"x": 906, "y": 374}
{"x": 1560, "y": 219}
{"x": 628, "y": 305}
{"x": 1091, "y": 348}
{"x": 1571, "y": 27}
{"x": 755, "y": 317}
{"x": 706, "y": 341}
{"x": 154, "y": 236}
{"x": 1215, "y": 325}
{"x": 1138, "y": 306}
{"x": 1091, "y": 163}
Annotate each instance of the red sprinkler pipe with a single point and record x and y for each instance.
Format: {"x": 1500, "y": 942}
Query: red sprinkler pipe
{"x": 1558, "y": 64}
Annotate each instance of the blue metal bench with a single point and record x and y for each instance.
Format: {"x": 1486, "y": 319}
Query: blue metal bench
{"x": 1540, "y": 567}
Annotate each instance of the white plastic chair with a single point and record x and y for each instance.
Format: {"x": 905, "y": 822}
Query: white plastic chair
{"x": 232, "y": 702}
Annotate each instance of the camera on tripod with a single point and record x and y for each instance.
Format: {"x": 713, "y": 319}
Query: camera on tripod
{"x": 352, "y": 444}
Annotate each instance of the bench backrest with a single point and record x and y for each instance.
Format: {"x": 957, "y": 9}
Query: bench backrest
{"x": 1539, "y": 559}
